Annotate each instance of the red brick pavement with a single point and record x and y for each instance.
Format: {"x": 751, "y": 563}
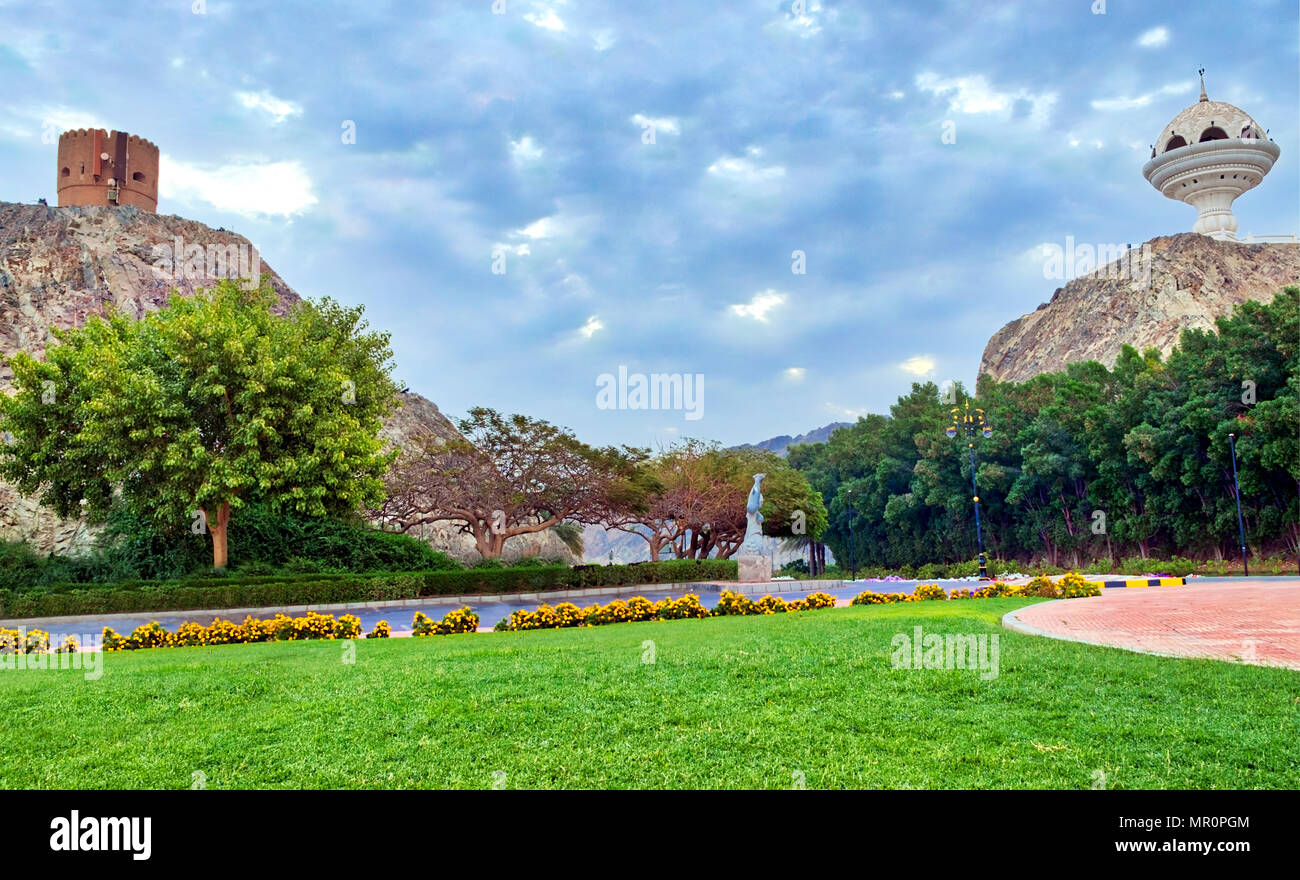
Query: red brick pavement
{"x": 1245, "y": 620}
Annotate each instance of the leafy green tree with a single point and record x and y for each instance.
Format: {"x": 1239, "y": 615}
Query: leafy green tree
{"x": 210, "y": 403}
{"x": 1144, "y": 444}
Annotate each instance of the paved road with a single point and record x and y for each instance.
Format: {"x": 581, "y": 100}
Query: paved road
{"x": 489, "y": 610}
{"x": 1253, "y": 620}
{"x": 494, "y": 609}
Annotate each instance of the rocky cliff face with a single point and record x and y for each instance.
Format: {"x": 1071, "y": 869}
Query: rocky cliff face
{"x": 1175, "y": 282}
{"x": 60, "y": 265}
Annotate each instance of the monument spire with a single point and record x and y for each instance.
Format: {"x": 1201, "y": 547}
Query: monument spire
{"x": 1207, "y": 156}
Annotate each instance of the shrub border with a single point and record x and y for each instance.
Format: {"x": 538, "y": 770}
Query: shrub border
{"x": 277, "y": 591}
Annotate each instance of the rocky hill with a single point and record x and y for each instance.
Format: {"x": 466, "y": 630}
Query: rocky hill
{"x": 59, "y": 265}
{"x": 1177, "y": 282}
{"x": 781, "y": 444}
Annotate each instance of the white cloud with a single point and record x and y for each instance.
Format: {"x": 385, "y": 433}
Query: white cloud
{"x": 547, "y": 20}
{"x": 1154, "y": 38}
{"x": 974, "y": 95}
{"x": 603, "y": 40}
{"x": 547, "y": 227}
{"x": 248, "y": 189}
{"x": 67, "y": 119}
{"x": 746, "y": 170}
{"x": 278, "y": 109}
{"x": 918, "y": 365}
{"x": 1129, "y": 103}
{"x": 795, "y": 374}
{"x": 589, "y": 329}
{"x": 759, "y": 305}
{"x": 846, "y": 411}
{"x": 664, "y": 124}
{"x": 525, "y": 149}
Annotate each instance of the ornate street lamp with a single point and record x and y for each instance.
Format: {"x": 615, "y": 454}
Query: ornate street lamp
{"x": 971, "y": 421}
{"x": 1236, "y": 493}
{"x": 853, "y": 570}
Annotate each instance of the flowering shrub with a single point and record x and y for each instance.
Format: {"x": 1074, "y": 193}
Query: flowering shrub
{"x": 962, "y": 593}
{"x": 462, "y": 620}
{"x": 1073, "y": 585}
{"x": 1041, "y": 585}
{"x": 280, "y": 628}
{"x": 640, "y": 608}
{"x": 687, "y": 606}
{"x": 771, "y": 605}
{"x": 734, "y": 604}
{"x": 36, "y": 641}
{"x": 998, "y": 590}
{"x": 381, "y": 631}
{"x": 867, "y": 597}
{"x": 928, "y": 592}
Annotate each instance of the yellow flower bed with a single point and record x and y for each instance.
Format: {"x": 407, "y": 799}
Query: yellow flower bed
{"x": 462, "y": 620}
{"x": 280, "y": 628}
{"x": 566, "y": 614}
{"x": 32, "y": 641}
{"x": 1069, "y": 586}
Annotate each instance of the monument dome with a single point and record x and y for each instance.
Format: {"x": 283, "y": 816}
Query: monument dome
{"x": 1207, "y": 156}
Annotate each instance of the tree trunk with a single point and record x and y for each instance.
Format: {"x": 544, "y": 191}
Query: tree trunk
{"x": 218, "y": 530}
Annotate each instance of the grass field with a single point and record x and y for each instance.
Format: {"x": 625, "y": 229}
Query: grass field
{"x": 729, "y": 702}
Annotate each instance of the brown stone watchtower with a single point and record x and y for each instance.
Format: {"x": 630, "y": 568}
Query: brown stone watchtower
{"x": 102, "y": 168}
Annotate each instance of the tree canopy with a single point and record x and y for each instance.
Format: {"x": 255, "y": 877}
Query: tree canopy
{"x": 1088, "y": 462}
{"x": 510, "y": 475}
{"x": 208, "y": 404}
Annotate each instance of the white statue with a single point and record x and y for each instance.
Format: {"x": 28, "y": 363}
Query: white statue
{"x": 753, "y": 543}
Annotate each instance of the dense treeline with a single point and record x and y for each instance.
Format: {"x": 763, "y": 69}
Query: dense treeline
{"x": 1085, "y": 464}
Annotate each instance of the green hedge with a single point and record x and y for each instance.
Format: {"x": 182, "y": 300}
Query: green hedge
{"x": 319, "y": 589}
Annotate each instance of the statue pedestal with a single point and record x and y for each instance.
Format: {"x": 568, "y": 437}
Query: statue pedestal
{"x": 754, "y": 568}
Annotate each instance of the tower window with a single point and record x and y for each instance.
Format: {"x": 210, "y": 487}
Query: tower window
{"x": 1213, "y": 133}
{"x": 137, "y": 176}
{"x": 1175, "y": 142}
{"x": 67, "y": 172}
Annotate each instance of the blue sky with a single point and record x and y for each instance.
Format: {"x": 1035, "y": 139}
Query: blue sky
{"x": 525, "y": 133}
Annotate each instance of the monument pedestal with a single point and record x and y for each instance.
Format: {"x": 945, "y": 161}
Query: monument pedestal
{"x": 754, "y": 568}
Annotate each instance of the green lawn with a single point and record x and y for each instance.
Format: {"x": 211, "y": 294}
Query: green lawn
{"x": 730, "y": 702}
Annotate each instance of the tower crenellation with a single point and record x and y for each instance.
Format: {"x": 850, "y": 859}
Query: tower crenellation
{"x": 97, "y": 167}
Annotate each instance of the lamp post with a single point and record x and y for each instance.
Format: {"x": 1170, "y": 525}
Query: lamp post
{"x": 971, "y": 421}
{"x": 1236, "y": 494}
{"x": 853, "y": 571}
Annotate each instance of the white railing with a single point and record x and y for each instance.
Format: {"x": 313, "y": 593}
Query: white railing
{"x": 1252, "y": 238}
